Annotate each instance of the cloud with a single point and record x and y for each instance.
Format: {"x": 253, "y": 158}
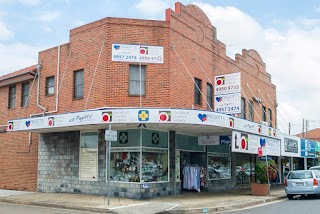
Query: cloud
{"x": 152, "y": 8}
{"x": 17, "y": 56}
{"x": 30, "y": 2}
{"x": 317, "y": 9}
{"x": 290, "y": 54}
{"x": 5, "y": 33}
{"x": 48, "y": 16}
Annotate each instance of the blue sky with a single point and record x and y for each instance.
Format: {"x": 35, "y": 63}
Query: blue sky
{"x": 286, "y": 34}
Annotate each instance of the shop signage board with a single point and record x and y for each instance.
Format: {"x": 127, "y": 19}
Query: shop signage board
{"x": 227, "y": 97}
{"x": 208, "y": 140}
{"x": 291, "y": 146}
{"x": 228, "y": 103}
{"x": 88, "y": 164}
{"x": 143, "y": 115}
{"x": 228, "y": 83}
{"x": 137, "y": 53}
{"x": 317, "y": 149}
{"x": 249, "y": 143}
{"x": 308, "y": 148}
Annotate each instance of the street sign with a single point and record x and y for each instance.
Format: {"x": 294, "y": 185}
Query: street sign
{"x": 110, "y": 135}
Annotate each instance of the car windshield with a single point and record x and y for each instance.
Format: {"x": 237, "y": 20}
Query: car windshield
{"x": 300, "y": 175}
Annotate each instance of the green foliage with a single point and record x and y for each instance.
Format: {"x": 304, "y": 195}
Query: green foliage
{"x": 261, "y": 171}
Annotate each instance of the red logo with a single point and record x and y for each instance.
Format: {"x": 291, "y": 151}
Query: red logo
{"x": 106, "y": 117}
{"x": 220, "y": 81}
{"x": 231, "y": 122}
{"x": 164, "y": 116}
{"x": 51, "y": 121}
{"x": 10, "y": 126}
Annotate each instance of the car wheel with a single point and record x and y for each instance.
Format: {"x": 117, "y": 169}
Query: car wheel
{"x": 290, "y": 197}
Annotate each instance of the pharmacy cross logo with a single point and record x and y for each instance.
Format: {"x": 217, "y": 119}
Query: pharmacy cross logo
{"x": 123, "y": 137}
{"x": 143, "y": 115}
{"x": 155, "y": 138}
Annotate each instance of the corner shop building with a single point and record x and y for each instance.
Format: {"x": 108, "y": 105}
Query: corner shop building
{"x": 71, "y": 148}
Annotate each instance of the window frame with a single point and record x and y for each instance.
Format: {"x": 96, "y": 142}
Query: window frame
{"x": 209, "y": 96}
{"x": 264, "y": 114}
{"x": 12, "y": 105}
{"x": 269, "y": 117}
{"x": 197, "y": 91}
{"x": 24, "y": 94}
{"x": 251, "y": 111}
{"x": 78, "y": 85}
{"x": 243, "y": 108}
{"x": 134, "y": 82}
{"x": 48, "y": 86}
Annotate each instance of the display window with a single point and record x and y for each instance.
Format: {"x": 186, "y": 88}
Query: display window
{"x": 219, "y": 166}
{"x": 147, "y": 162}
{"x": 154, "y": 165}
{"x": 125, "y": 165}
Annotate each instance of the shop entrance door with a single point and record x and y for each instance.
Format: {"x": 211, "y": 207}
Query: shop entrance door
{"x": 192, "y": 171}
{"x": 245, "y": 169}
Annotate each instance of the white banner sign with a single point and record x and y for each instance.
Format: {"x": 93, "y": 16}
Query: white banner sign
{"x": 143, "y": 115}
{"x": 228, "y": 103}
{"x": 291, "y": 146}
{"x": 208, "y": 140}
{"x": 137, "y": 53}
{"x": 228, "y": 83}
{"x": 249, "y": 143}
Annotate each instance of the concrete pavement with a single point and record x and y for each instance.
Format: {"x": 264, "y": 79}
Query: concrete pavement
{"x": 186, "y": 203}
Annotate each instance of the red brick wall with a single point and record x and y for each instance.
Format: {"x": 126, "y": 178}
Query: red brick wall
{"x": 194, "y": 42}
{"x": 18, "y": 160}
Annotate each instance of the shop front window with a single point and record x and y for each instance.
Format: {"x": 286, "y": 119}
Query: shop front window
{"x": 125, "y": 166}
{"x": 140, "y": 156}
{"x": 219, "y": 166}
{"x": 154, "y": 165}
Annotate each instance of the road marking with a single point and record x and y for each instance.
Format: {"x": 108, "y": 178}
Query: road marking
{"x": 172, "y": 207}
{"x": 132, "y": 205}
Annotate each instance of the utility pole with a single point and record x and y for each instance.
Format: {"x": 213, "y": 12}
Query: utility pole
{"x": 289, "y": 128}
{"x": 303, "y": 128}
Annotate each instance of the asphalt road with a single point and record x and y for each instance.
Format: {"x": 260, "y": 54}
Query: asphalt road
{"x": 307, "y": 205}
{"x": 6, "y": 208}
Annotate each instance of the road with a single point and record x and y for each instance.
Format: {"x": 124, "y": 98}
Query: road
{"x": 299, "y": 205}
{"x": 6, "y": 208}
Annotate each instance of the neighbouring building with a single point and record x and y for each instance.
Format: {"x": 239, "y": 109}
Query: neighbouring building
{"x": 154, "y": 83}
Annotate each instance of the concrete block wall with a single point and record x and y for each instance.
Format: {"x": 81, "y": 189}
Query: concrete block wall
{"x": 58, "y": 170}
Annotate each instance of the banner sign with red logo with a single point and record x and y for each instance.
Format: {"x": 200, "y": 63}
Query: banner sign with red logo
{"x": 137, "y": 53}
{"x": 138, "y": 116}
{"x": 249, "y": 143}
{"x": 227, "y": 84}
{"x": 227, "y": 97}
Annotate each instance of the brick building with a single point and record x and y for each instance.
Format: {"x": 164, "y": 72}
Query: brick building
{"x": 81, "y": 78}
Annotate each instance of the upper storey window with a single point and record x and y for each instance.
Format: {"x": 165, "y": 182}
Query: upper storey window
{"x": 50, "y": 85}
{"x": 78, "y": 84}
{"x": 134, "y": 85}
{"x": 12, "y": 97}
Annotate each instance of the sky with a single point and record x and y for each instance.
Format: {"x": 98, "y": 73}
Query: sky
{"x": 285, "y": 33}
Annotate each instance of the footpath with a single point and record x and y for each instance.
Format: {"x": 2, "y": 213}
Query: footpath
{"x": 203, "y": 202}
